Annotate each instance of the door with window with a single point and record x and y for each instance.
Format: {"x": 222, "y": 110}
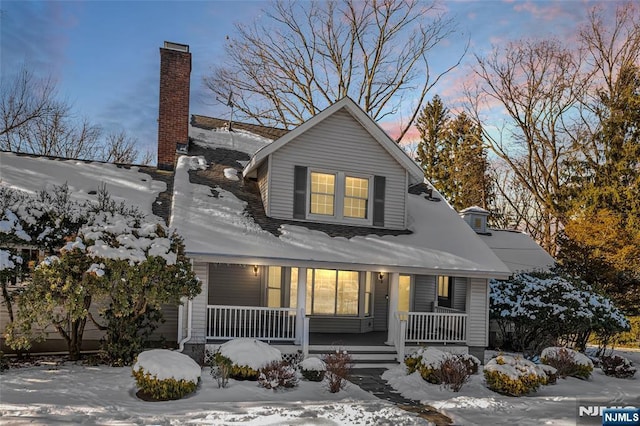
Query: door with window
{"x": 380, "y": 301}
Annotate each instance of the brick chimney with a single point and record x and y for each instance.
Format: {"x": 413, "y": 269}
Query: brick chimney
{"x": 173, "y": 117}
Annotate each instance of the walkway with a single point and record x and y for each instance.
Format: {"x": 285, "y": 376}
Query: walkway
{"x": 370, "y": 380}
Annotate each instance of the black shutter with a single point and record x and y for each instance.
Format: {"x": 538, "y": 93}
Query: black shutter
{"x": 378, "y": 200}
{"x": 299, "y": 192}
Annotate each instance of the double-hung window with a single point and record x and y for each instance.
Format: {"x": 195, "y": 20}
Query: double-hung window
{"x": 339, "y": 196}
{"x": 445, "y": 291}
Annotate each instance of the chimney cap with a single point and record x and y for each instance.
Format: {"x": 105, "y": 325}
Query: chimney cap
{"x": 176, "y": 46}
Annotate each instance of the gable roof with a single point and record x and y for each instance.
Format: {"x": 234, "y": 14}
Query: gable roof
{"x": 416, "y": 173}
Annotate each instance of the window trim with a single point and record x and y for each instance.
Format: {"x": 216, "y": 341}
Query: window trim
{"x": 339, "y": 196}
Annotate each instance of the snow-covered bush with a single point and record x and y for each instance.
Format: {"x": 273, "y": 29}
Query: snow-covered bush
{"x": 439, "y": 367}
{"x": 551, "y": 372}
{"x": 567, "y": 362}
{"x": 278, "y": 374}
{"x": 541, "y": 308}
{"x": 313, "y": 369}
{"x": 617, "y": 366}
{"x": 165, "y": 375}
{"x": 339, "y": 365}
{"x": 247, "y": 357}
{"x": 514, "y": 376}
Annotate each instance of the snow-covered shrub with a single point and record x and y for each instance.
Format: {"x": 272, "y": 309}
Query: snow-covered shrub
{"x": 278, "y": 374}
{"x": 551, "y": 372}
{"x": 617, "y": 366}
{"x": 338, "y": 364}
{"x": 247, "y": 357}
{"x": 567, "y": 362}
{"x": 541, "y": 308}
{"x": 514, "y": 376}
{"x": 313, "y": 369}
{"x": 439, "y": 367}
{"x": 165, "y": 375}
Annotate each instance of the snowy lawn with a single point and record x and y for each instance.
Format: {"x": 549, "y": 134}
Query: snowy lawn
{"x": 552, "y": 404}
{"x": 79, "y": 394}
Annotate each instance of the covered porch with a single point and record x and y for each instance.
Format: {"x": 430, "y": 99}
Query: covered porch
{"x": 301, "y": 307}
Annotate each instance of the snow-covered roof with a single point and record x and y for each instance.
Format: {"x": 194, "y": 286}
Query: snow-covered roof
{"x": 415, "y": 172}
{"x": 518, "y": 251}
{"x": 216, "y": 227}
{"x": 475, "y": 209}
{"x": 32, "y": 174}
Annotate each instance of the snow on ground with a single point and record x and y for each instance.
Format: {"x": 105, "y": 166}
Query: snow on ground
{"x": 33, "y": 174}
{"x": 553, "y": 404}
{"x": 77, "y": 394}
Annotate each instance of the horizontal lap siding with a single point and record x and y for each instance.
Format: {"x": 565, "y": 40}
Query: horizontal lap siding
{"x": 235, "y": 285}
{"x": 263, "y": 184}
{"x": 478, "y": 312}
{"x": 459, "y": 293}
{"x": 336, "y": 325}
{"x": 424, "y": 293}
{"x": 339, "y": 143}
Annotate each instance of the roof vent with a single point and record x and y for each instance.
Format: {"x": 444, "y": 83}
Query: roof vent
{"x": 176, "y": 46}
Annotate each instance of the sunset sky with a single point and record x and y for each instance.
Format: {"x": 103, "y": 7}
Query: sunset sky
{"x": 104, "y": 54}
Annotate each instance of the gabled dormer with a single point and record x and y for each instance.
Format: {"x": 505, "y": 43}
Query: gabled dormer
{"x": 476, "y": 217}
{"x": 339, "y": 167}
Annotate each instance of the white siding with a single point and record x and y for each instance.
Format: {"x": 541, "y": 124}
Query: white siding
{"x": 338, "y": 143}
{"x": 263, "y": 184}
{"x": 199, "y": 308}
{"x": 478, "y": 312}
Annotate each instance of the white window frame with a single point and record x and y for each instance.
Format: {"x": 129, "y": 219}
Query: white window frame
{"x": 338, "y": 202}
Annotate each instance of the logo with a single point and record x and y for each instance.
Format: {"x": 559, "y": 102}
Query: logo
{"x": 618, "y": 412}
{"x": 629, "y": 416}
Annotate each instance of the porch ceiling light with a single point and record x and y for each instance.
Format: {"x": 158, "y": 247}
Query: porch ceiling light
{"x": 255, "y": 270}
{"x": 381, "y": 276}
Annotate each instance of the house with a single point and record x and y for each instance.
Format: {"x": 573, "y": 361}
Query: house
{"x": 325, "y": 230}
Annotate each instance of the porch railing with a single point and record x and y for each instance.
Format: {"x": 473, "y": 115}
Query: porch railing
{"x": 426, "y": 327}
{"x": 270, "y": 324}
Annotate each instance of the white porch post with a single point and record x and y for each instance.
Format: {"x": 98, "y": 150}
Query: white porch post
{"x": 394, "y": 289}
{"x": 301, "y": 303}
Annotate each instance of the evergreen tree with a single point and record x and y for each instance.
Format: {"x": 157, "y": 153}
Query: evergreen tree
{"x": 603, "y": 236}
{"x": 452, "y": 156}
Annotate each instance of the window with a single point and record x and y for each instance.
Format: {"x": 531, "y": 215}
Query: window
{"x": 445, "y": 291}
{"x": 404, "y": 294}
{"x": 339, "y": 196}
{"x": 329, "y": 292}
{"x": 368, "y": 289}
{"x": 323, "y": 187}
{"x": 477, "y": 223}
{"x": 356, "y": 197}
{"x": 274, "y": 287}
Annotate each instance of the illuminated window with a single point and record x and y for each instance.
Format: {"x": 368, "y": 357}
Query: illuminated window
{"x": 274, "y": 287}
{"x": 356, "y": 197}
{"x": 367, "y": 295}
{"x": 445, "y": 293}
{"x": 293, "y": 299}
{"x": 323, "y": 190}
{"x": 404, "y": 294}
{"x": 329, "y": 292}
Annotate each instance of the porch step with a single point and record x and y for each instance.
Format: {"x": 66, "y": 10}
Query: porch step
{"x": 362, "y": 356}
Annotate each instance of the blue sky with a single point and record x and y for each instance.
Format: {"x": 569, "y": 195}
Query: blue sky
{"x": 104, "y": 54}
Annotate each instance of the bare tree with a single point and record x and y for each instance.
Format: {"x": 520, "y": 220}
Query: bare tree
{"x": 22, "y": 100}
{"x": 538, "y": 85}
{"x": 311, "y": 54}
{"x": 118, "y": 147}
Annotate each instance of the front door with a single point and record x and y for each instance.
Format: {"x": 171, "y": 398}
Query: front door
{"x": 380, "y": 302}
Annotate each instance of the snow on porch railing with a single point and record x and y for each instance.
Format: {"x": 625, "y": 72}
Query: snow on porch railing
{"x": 231, "y": 322}
{"x": 425, "y": 327}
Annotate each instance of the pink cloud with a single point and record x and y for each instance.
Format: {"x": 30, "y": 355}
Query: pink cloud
{"x": 545, "y": 11}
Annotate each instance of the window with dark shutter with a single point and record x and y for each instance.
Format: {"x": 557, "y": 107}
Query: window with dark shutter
{"x": 299, "y": 192}
{"x": 378, "y": 200}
